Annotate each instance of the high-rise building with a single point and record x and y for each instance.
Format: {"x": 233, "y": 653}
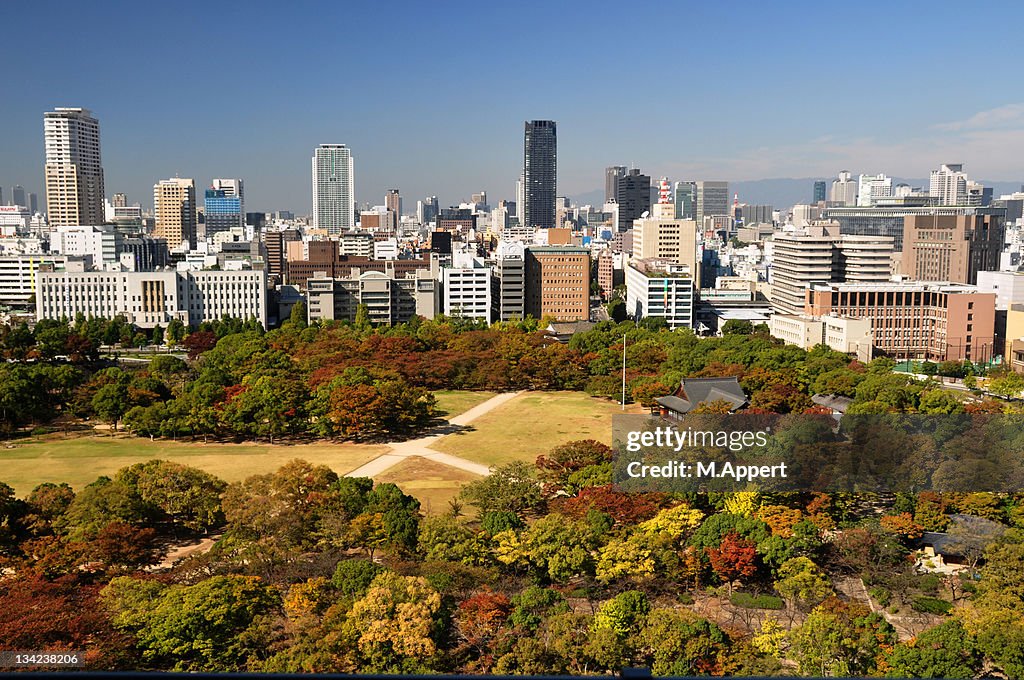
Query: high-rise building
{"x": 819, "y": 191}
{"x": 540, "y": 173}
{"x": 844, "y": 190}
{"x": 888, "y": 220}
{"x": 74, "y": 171}
{"x": 17, "y": 196}
{"x": 951, "y": 248}
{"x": 712, "y": 200}
{"x": 479, "y": 199}
{"x": 508, "y": 281}
{"x": 119, "y": 201}
{"x": 427, "y": 210}
{"x": 393, "y": 202}
{"x": 660, "y": 289}
{"x": 662, "y": 237}
{"x": 224, "y": 206}
{"x": 871, "y": 188}
{"x": 685, "y": 199}
{"x": 558, "y": 282}
{"x": 334, "y": 188}
{"x": 33, "y": 203}
{"x": 633, "y": 197}
{"x": 174, "y": 212}
{"x": 612, "y": 175}
{"x": 466, "y": 288}
{"x": 948, "y": 184}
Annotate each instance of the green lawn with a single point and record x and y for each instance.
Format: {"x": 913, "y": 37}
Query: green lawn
{"x": 432, "y": 484}
{"x": 80, "y": 460}
{"x": 532, "y": 424}
{"x": 456, "y": 402}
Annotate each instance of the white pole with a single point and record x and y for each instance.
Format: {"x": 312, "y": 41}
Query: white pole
{"x": 623, "y": 371}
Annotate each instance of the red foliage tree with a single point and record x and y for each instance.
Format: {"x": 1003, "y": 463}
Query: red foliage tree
{"x": 624, "y": 508}
{"x": 734, "y": 559}
{"x": 198, "y": 342}
{"x": 479, "y": 620}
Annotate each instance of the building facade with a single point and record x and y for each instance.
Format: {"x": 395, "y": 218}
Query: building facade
{"x": 224, "y": 206}
{"x": 74, "y": 169}
{"x": 633, "y": 197}
{"x": 508, "y": 282}
{"x": 389, "y": 299}
{"x": 663, "y": 237}
{"x": 951, "y": 247}
{"x": 558, "y": 283}
{"x": 174, "y": 212}
{"x": 660, "y": 289}
{"x": 466, "y": 288}
{"x": 334, "y": 189}
{"x": 540, "y": 173}
{"x": 712, "y": 200}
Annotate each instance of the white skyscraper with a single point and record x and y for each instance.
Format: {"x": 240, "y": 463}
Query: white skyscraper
{"x": 333, "y": 188}
{"x": 873, "y": 187}
{"x": 949, "y": 184}
{"x": 844, "y": 189}
{"x": 74, "y": 172}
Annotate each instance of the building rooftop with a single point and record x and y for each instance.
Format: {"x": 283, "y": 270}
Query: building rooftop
{"x": 696, "y": 391}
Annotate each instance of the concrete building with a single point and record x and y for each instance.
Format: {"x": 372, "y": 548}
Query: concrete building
{"x": 149, "y": 299}
{"x": 103, "y": 246}
{"x": 888, "y": 220}
{"x": 606, "y": 272}
{"x": 1013, "y": 349}
{"x": 558, "y": 283}
{"x": 660, "y": 289}
{"x": 844, "y": 190}
{"x": 73, "y": 170}
{"x": 685, "y": 199}
{"x": 948, "y": 184}
{"x": 850, "y": 336}
{"x": 146, "y": 253}
{"x": 819, "y": 254}
{"x": 466, "y": 288}
{"x": 508, "y": 282}
{"x": 1007, "y": 286}
{"x": 540, "y": 173}
{"x": 820, "y": 194}
{"x": 915, "y": 320}
{"x": 14, "y": 219}
{"x": 174, "y": 210}
{"x": 18, "y": 275}
{"x": 389, "y": 298}
{"x": 873, "y": 188}
{"x": 427, "y": 210}
{"x": 334, "y": 191}
{"x": 663, "y": 237}
{"x": 712, "y": 200}
{"x": 356, "y": 243}
{"x": 612, "y": 175}
{"x": 224, "y": 206}
{"x": 951, "y": 247}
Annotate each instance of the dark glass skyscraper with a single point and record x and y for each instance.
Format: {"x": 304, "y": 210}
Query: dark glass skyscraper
{"x": 634, "y": 197}
{"x": 540, "y": 173}
{"x": 819, "y": 191}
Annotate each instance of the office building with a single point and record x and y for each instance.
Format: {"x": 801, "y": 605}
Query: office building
{"x": 612, "y": 175}
{"x": 916, "y": 320}
{"x": 18, "y": 196}
{"x": 846, "y": 335}
{"x": 660, "y": 289}
{"x": 508, "y": 282}
{"x": 558, "y": 283}
{"x": 150, "y": 299}
{"x": 334, "y": 188}
{"x": 102, "y": 246}
{"x": 820, "y": 192}
{"x": 872, "y": 188}
{"x": 820, "y": 254}
{"x": 147, "y": 253}
{"x": 390, "y": 297}
{"x": 18, "y": 275}
{"x": 224, "y": 206}
{"x": 948, "y": 185}
{"x": 633, "y": 197}
{"x": 73, "y": 170}
{"x": 712, "y": 200}
{"x": 844, "y": 190}
{"x": 427, "y": 210}
{"x": 748, "y": 213}
{"x": 466, "y": 288}
{"x": 174, "y": 211}
{"x": 888, "y": 220}
{"x": 479, "y": 201}
{"x": 951, "y": 247}
{"x": 685, "y": 197}
{"x": 540, "y": 173}
{"x": 275, "y": 243}
{"x": 14, "y": 219}
{"x": 456, "y": 220}
{"x": 663, "y": 237}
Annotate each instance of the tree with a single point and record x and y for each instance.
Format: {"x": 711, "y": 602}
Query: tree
{"x": 617, "y": 310}
{"x": 945, "y": 651}
{"x": 175, "y": 331}
{"x": 675, "y": 642}
{"x": 1007, "y": 386}
{"x": 395, "y": 621}
{"x": 199, "y": 342}
{"x": 509, "y": 488}
{"x": 158, "y": 335}
{"x": 298, "y": 315}
{"x": 352, "y": 578}
{"x": 111, "y": 402}
{"x": 802, "y": 583}
{"x": 446, "y": 539}
{"x": 624, "y": 613}
{"x": 122, "y": 545}
{"x": 479, "y": 619}
{"x": 188, "y": 497}
{"x": 840, "y": 639}
{"x": 737, "y": 327}
{"x": 734, "y": 559}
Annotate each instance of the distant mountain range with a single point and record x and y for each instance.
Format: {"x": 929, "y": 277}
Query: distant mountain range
{"x": 786, "y": 192}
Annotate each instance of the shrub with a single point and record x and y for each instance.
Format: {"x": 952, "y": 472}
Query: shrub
{"x": 931, "y": 605}
{"x": 881, "y": 594}
{"x": 748, "y": 601}
{"x": 929, "y": 583}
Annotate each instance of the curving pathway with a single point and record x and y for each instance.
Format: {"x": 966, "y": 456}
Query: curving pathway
{"x": 399, "y": 451}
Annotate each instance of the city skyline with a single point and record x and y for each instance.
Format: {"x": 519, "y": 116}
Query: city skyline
{"x": 403, "y": 135}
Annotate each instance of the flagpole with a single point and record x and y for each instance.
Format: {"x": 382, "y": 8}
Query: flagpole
{"x": 623, "y": 371}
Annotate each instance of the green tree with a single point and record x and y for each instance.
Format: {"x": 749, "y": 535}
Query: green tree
{"x": 298, "y": 315}
{"x": 175, "y": 332}
{"x": 111, "y": 402}
{"x": 512, "y": 487}
{"x": 840, "y": 638}
{"x": 945, "y": 651}
{"x": 802, "y": 583}
{"x": 187, "y": 496}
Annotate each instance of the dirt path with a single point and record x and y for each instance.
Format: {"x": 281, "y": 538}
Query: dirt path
{"x": 184, "y": 550}
{"x": 399, "y": 451}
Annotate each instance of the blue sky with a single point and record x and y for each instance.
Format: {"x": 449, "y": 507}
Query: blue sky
{"x": 431, "y": 96}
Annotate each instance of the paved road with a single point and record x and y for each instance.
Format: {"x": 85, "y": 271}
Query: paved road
{"x": 399, "y": 451}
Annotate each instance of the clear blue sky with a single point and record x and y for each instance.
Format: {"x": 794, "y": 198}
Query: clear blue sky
{"x": 431, "y": 96}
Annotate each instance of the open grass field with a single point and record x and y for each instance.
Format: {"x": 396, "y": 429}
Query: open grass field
{"x": 433, "y": 484}
{"x": 532, "y": 424}
{"x": 457, "y": 402}
{"x": 24, "y": 463}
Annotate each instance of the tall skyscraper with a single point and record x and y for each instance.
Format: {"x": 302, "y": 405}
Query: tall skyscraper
{"x": 712, "y": 200}
{"x": 844, "y": 190}
{"x": 224, "y": 205}
{"x": 612, "y": 175}
{"x": 427, "y": 210}
{"x": 819, "y": 191}
{"x": 74, "y": 172}
{"x": 17, "y": 196}
{"x": 33, "y": 203}
{"x": 949, "y": 184}
{"x": 540, "y": 170}
{"x": 174, "y": 212}
{"x": 633, "y": 196}
{"x": 685, "y": 194}
{"x": 334, "y": 188}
